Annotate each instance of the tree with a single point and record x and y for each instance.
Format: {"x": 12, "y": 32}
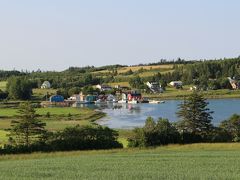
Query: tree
{"x": 154, "y": 134}
{"x": 74, "y": 90}
{"x": 232, "y": 127}
{"x": 19, "y": 88}
{"x": 195, "y": 116}
{"x": 136, "y": 82}
{"x": 88, "y": 90}
{"x": 84, "y": 137}
{"x": 28, "y": 129}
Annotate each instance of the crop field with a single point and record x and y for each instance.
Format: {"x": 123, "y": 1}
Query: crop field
{"x": 120, "y": 83}
{"x": 57, "y": 118}
{"x": 136, "y": 68}
{"x": 3, "y": 85}
{"x": 196, "y": 161}
{"x": 149, "y": 69}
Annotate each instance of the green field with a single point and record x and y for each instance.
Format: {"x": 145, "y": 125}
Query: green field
{"x": 59, "y": 117}
{"x": 3, "y": 85}
{"x": 173, "y": 93}
{"x": 197, "y": 161}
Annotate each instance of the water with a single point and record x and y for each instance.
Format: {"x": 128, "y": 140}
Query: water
{"x": 134, "y": 115}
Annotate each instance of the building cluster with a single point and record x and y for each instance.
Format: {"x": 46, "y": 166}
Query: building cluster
{"x": 122, "y": 94}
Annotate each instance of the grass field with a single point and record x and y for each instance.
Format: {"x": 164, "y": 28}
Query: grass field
{"x": 149, "y": 70}
{"x": 38, "y": 94}
{"x": 173, "y": 93}
{"x": 3, "y": 85}
{"x": 136, "y": 68}
{"x": 197, "y": 161}
{"x": 59, "y": 117}
{"x": 3, "y": 137}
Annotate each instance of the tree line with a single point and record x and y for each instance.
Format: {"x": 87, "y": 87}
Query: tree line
{"x": 29, "y": 134}
{"x": 195, "y": 125}
{"x": 211, "y": 74}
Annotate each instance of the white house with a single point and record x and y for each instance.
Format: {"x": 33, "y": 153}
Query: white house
{"x": 234, "y": 83}
{"x": 104, "y": 87}
{"x": 176, "y": 83}
{"x": 75, "y": 97}
{"x": 155, "y": 87}
{"x": 46, "y": 85}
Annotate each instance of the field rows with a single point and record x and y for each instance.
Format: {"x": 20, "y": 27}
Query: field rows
{"x": 197, "y": 161}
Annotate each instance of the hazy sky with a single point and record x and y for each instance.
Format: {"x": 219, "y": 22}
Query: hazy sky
{"x": 56, "y": 34}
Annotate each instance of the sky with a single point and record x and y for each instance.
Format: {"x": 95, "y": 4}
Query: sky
{"x": 57, "y": 34}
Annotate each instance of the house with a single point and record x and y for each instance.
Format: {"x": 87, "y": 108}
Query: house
{"x": 118, "y": 87}
{"x": 193, "y": 88}
{"x": 176, "y": 84}
{"x": 75, "y": 97}
{"x": 134, "y": 96}
{"x": 234, "y": 83}
{"x": 46, "y": 85}
{"x": 104, "y": 87}
{"x": 155, "y": 87}
{"x": 56, "y": 98}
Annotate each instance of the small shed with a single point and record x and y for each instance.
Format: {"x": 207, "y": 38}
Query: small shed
{"x": 91, "y": 98}
{"x": 57, "y": 98}
{"x": 176, "y": 83}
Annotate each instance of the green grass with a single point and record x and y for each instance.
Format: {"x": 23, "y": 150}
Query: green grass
{"x": 39, "y": 94}
{"x": 173, "y": 93}
{"x": 3, "y": 137}
{"x": 197, "y": 161}
{"x": 59, "y": 117}
{"x": 3, "y": 85}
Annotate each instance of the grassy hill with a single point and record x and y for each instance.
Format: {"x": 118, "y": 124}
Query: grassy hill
{"x": 59, "y": 118}
{"x": 196, "y": 161}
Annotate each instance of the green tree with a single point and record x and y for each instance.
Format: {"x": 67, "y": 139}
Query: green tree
{"x": 88, "y": 90}
{"x": 74, "y": 90}
{"x": 232, "y": 126}
{"x": 19, "y": 88}
{"x": 154, "y": 134}
{"x": 28, "y": 129}
{"x": 195, "y": 116}
{"x": 136, "y": 82}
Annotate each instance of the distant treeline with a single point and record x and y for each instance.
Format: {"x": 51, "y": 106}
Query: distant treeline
{"x": 208, "y": 74}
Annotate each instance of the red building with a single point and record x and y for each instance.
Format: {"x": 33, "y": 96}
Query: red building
{"x": 134, "y": 96}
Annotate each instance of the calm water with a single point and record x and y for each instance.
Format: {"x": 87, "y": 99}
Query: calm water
{"x": 134, "y": 115}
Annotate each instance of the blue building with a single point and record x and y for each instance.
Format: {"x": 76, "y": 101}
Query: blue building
{"x": 56, "y": 98}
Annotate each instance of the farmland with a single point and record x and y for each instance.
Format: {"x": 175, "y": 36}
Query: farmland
{"x": 55, "y": 118}
{"x": 196, "y": 161}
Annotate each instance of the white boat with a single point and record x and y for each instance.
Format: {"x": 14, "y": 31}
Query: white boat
{"x": 133, "y": 102}
{"x": 100, "y": 101}
{"x": 156, "y": 102}
{"x": 123, "y": 101}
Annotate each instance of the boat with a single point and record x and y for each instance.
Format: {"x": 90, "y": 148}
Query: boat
{"x": 123, "y": 101}
{"x": 156, "y": 102}
{"x": 100, "y": 101}
{"x": 133, "y": 101}
{"x": 144, "y": 100}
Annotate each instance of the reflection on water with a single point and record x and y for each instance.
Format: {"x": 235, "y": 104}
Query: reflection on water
{"x": 134, "y": 115}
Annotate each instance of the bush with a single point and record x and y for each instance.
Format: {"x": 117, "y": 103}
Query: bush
{"x": 154, "y": 134}
{"x": 84, "y": 138}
